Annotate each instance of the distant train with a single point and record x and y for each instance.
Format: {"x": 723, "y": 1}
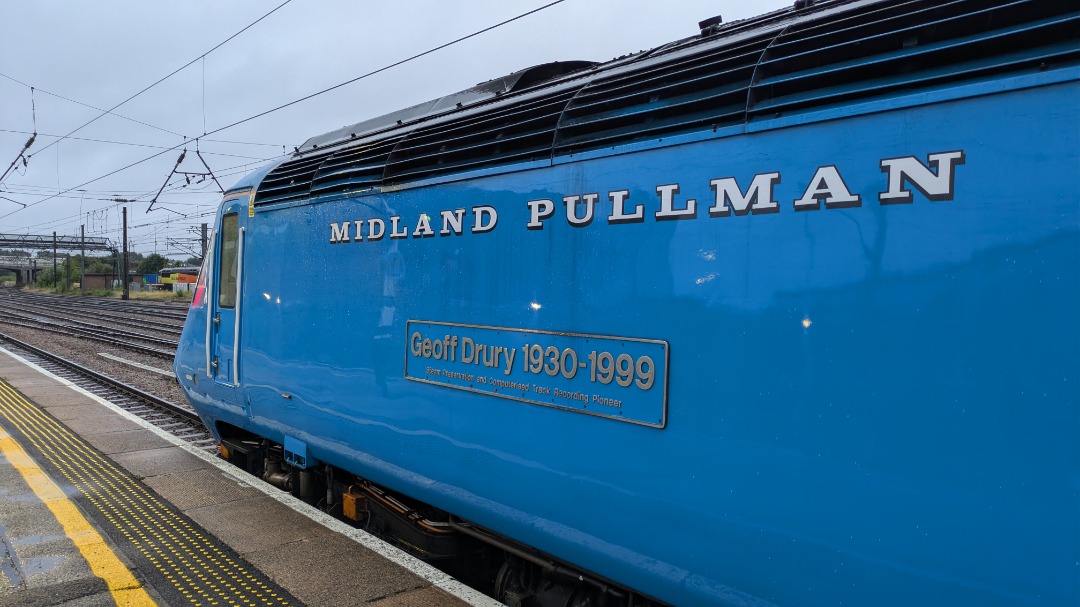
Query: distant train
{"x": 170, "y": 276}
{"x": 784, "y": 313}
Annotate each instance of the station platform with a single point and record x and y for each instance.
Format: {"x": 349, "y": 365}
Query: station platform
{"x": 98, "y": 507}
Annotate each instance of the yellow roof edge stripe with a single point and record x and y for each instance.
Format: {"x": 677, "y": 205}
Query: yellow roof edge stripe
{"x": 240, "y": 194}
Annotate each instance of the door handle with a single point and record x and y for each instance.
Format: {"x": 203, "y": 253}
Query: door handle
{"x": 217, "y": 318}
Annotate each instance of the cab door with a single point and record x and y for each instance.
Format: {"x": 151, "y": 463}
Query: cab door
{"x": 225, "y": 301}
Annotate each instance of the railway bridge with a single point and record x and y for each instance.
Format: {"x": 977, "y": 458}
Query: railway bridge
{"x": 26, "y": 268}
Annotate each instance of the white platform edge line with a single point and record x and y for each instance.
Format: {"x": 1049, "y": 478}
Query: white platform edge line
{"x": 391, "y": 553}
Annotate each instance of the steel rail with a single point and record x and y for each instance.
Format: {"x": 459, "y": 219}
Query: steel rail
{"x": 161, "y": 310}
{"x": 184, "y": 412}
{"x": 73, "y": 313}
{"x": 83, "y": 333}
{"x": 78, "y": 325}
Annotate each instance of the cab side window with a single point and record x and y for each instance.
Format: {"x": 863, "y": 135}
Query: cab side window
{"x": 227, "y": 261}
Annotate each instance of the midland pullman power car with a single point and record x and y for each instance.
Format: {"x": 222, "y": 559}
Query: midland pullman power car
{"x": 783, "y": 313}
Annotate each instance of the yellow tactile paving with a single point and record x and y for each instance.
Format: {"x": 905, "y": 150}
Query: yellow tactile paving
{"x": 200, "y": 572}
{"x": 125, "y": 589}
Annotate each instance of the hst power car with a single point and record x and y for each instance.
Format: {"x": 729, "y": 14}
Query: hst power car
{"x": 785, "y": 313}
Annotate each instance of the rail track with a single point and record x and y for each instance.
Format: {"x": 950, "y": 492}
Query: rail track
{"x": 121, "y": 325}
{"x": 86, "y": 317}
{"x": 114, "y": 337}
{"x": 98, "y": 306}
{"x": 179, "y": 420}
{"x": 52, "y": 329}
{"x": 169, "y": 316}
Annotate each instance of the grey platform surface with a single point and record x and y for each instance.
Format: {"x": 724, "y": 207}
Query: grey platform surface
{"x": 319, "y": 560}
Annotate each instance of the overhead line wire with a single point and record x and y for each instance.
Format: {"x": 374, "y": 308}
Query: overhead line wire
{"x": 305, "y": 98}
{"x": 41, "y": 90}
{"x": 169, "y": 75}
{"x": 139, "y": 145}
{"x": 75, "y": 188}
{"x": 392, "y": 65}
{"x": 77, "y": 102}
{"x": 228, "y": 172}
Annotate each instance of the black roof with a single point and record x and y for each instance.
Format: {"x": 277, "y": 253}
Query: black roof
{"x": 794, "y": 60}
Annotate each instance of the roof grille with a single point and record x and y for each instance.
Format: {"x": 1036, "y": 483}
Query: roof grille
{"x": 687, "y": 92}
{"x": 354, "y": 169}
{"x": 502, "y": 134}
{"x": 788, "y": 61}
{"x": 289, "y": 181}
{"x": 911, "y": 45}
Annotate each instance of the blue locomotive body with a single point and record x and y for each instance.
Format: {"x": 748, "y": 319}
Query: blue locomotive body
{"x": 827, "y": 354}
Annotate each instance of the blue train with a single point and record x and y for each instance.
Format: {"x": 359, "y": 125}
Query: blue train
{"x": 784, "y": 313}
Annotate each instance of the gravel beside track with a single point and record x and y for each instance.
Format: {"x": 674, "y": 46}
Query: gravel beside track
{"x": 86, "y": 352}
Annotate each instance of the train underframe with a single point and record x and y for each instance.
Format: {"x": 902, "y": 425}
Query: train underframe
{"x": 512, "y": 573}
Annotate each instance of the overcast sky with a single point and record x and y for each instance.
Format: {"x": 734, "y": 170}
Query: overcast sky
{"x": 102, "y": 52}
